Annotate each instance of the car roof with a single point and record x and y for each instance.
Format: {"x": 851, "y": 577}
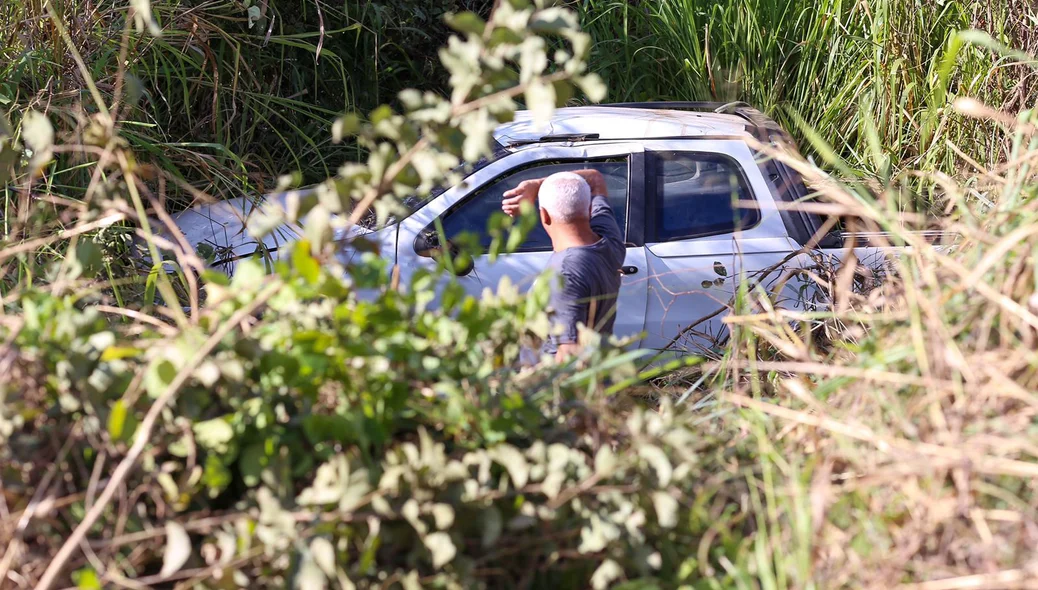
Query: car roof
{"x": 613, "y": 123}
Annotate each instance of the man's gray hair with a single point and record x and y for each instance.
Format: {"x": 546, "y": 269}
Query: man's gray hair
{"x": 565, "y": 196}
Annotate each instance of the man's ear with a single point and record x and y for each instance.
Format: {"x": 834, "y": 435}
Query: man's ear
{"x": 545, "y": 218}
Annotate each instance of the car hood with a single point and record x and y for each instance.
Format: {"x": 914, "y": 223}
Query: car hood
{"x": 221, "y": 229}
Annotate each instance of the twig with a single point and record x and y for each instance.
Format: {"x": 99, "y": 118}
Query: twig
{"x": 190, "y": 263}
{"x": 98, "y": 99}
{"x": 200, "y": 574}
{"x": 195, "y": 524}
{"x": 811, "y": 368}
{"x": 978, "y": 463}
{"x": 30, "y": 245}
{"x": 391, "y": 173}
{"x": 144, "y": 434}
{"x": 1018, "y": 578}
{"x": 164, "y": 328}
{"x": 758, "y": 278}
{"x": 320, "y": 24}
{"x": 15, "y": 547}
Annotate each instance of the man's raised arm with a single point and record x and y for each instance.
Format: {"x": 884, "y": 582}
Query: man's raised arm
{"x": 603, "y": 222}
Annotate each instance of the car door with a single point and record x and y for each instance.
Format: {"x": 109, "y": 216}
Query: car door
{"x": 468, "y": 208}
{"x": 705, "y": 231}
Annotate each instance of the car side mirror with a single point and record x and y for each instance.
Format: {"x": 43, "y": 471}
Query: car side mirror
{"x": 427, "y": 244}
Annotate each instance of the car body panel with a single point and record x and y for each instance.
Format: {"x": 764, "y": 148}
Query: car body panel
{"x": 617, "y": 123}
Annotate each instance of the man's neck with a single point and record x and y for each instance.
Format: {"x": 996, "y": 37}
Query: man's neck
{"x": 573, "y": 236}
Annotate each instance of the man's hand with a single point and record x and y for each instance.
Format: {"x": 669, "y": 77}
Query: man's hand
{"x": 565, "y": 351}
{"x": 526, "y": 191}
{"x": 595, "y": 180}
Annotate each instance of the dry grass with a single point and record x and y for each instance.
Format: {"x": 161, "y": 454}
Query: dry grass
{"x": 906, "y": 440}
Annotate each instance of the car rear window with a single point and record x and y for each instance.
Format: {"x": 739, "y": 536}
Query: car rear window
{"x": 697, "y": 195}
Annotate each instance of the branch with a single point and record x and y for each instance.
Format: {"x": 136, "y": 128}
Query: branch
{"x": 143, "y": 436}
{"x": 458, "y": 111}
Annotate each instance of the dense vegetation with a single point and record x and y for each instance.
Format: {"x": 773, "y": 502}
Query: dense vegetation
{"x": 164, "y": 425}
{"x": 873, "y": 78}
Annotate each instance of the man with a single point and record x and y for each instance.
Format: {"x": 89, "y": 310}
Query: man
{"x": 588, "y": 251}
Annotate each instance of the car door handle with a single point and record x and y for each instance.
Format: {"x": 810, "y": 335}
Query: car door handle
{"x": 628, "y": 270}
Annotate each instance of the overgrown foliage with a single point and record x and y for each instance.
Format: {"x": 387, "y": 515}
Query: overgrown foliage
{"x": 317, "y": 425}
{"x": 232, "y": 94}
{"x": 873, "y": 78}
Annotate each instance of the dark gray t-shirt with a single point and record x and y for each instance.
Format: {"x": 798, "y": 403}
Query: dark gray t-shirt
{"x": 590, "y": 280}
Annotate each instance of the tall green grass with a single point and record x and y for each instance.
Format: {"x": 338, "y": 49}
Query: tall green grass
{"x": 221, "y": 104}
{"x": 874, "y": 78}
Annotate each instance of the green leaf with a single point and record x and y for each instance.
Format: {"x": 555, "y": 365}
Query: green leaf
{"x": 248, "y": 274}
{"x": 214, "y": 277}
{"x": 658, "y": 460}
{"x": 318, "y": 225}
{"x": 320, "y": 428}
{"x": 329, "y": 483}
{"x": 114, "y": 353}
{"x": 38, "y": 135}
{"x": 310, "y": 576}
{"x": 265, "y": 221}
{"x": 605, "y": 461}
{"x": 159, "y": 375}
{"x": 254, "y": 14}
{"x": 593, "y": 86}
{"x": 86, "y": 579}
{"x": 216, "y": 476}
{"x": 442, "y": 548}
{"x": 554, "y": 20}
{"x": 214, "y": 435}
{"x": 606, "y": 574}
{"x": 492, "y": 526}
{"x": 207, "y": 373}
{"x": 666, "y": 507}
{"x": 411, "y": 581}
{"x": 121, "y": 422}
{"x": 324, "y": 555}
{"x": 540, "y": 99}
{"x": 169, "y": 487}
{"x": 443, "y": 514}
{"x": 9, "y": 155}
{"x": 345, "y": 126}
{"x": 595, "y": 535}
{"x": 151, "y": 284}
{"x": 466, "y": 22}
{"x": 514, "y": 462}
{"x": 134, "y": 89}
{"x": 177, "y": 550}
{"x": 380, "y": 114}
{"x": 251, "y": 463}
{"x": 304, "y": 263}
{"x": 143, "y": 17}
{"x": 563, "y": 92}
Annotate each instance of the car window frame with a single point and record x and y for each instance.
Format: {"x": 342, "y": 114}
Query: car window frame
{"x": 654, "y": 197}
{"x": 629, "y": 158}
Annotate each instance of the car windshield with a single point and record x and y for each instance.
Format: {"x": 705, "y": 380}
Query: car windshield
{"x": 414, "y": 202}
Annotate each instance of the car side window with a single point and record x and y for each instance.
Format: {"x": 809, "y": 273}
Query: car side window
{"x": 474, "y": 212}
{"x": 697, "y": 195}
